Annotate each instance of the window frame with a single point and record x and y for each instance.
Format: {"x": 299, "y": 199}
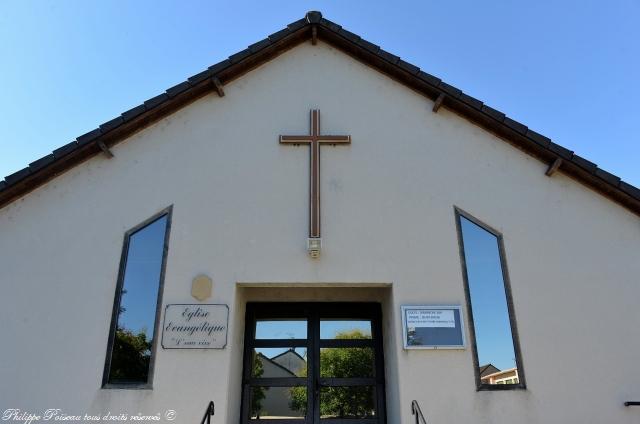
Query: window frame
{"x": 459, "y": 213}
{"x": 314, "y": 313}
{"x": 168, "y": 212}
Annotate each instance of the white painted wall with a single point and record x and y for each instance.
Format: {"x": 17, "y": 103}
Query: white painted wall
{"x": 240, "y": 215}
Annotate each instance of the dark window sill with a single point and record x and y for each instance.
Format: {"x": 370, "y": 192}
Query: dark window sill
{"x": 127, "y": 386}
{"x": 500, "y": 387}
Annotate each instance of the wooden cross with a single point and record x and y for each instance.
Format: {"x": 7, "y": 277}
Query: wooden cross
{"x": 314, "y": 140}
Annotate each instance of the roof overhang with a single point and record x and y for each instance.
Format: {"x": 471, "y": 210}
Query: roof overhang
{"x": 314, "y": 27}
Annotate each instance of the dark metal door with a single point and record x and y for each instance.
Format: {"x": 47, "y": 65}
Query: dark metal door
{"x": 313, "y": 363}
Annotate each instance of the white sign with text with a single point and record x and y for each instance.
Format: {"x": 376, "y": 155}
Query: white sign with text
{"x": 430, "y": 318}
{"x": 195, "y": 326}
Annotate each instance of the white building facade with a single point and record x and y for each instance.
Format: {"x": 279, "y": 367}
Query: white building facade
{"x": 423, "y": 163}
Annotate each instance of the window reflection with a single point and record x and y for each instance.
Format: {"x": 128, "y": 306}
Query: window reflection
{"x": 491, "y": 375}
{"x": 493, "y": 336}
{"x": 349, "y": 362}
{"x": 279, "y": 362}
{"x": 345, "y": 329}
{"x": 278, "y": 402}
{"x": 281, "y": 329}
{"x": 347, "y": 402}
{"x": 135, "y": 326}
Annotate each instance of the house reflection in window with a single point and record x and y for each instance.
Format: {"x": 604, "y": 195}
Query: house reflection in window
{"x": 489, "y": 300}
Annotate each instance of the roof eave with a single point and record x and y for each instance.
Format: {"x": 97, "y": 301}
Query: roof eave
{"x": 118, "y": 129}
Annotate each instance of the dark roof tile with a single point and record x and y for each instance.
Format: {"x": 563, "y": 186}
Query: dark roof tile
{"x": 515, "y": 125}
{"x": 388, "y": 56}
{"x": 630, "y": 190}
{"x": 495, "y": 114}
{"x": 89, "y": 137}
{"x": 330, "y": 25}
{"x": 177, "y": 89}
{"x": 66, "y": 149}
{"x": 17, "y": 176}
{"x": 429, "y": 78}
{"x": 349, "y": 35}
{"x": 2, "y": 185}
{"x": 195, "y": 79}
{"x": 155, "y": 101}
{"x": 259, "y": 45}
{"x": 313, "y": 16}
{"x": 297, "y": 24}
{"x": 235, "y": 58}
{"x": 564, "y": 153}
{"x": 538, "y": 138}
{"x": 219, "y": 66}
{"x": 42, "y": 162}
{"x": 109, "y": 125}
{"x": 471, "y": 101}
{"x": 369, "y": 46}
{"x": 279, "y": 35}
{"x": 412, "y": 69}
{"x": 583, "y": 163}
{"x": 449, "y": 89}
{"x": 608, "y": 177}
{"x": 133, "y": 112}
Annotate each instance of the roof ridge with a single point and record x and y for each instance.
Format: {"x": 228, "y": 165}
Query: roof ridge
{"x": 213, "y": 78}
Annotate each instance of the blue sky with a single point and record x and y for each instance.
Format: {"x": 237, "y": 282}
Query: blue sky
{"x": 566, "y": 69}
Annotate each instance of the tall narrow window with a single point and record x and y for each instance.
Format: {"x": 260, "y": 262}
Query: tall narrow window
{"x": 496, "y": 352}
{"x": 136, "y": 305}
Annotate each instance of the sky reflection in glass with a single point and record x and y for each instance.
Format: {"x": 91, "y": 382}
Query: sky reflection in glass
{"x": 331, "y": 329}
{"x": 142, "y": 279}
{"x": 132, "y": 342}
{"x": 281, "y": 329}
{"x": 488, "y": 297}
{"x": 297, "y": 328}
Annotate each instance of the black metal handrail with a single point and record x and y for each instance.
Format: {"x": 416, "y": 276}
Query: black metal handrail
{"x": 631, "y": 403}
{"x": 415, "y": 410}
{"x": 211, "y": 410}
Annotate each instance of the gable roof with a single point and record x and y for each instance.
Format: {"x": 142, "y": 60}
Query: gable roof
{"x": 312, "y": 27}
{"x": 274, "y": 363}
{"x": 488, "y": 369}
{"x": 287, "y": 352}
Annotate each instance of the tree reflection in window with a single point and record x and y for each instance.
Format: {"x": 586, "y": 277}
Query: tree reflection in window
{"x": 132, "y": 339}
{"x": 344, "y": 401}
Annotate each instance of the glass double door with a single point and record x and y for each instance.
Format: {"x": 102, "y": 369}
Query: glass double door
{"x": 313, "y": 363}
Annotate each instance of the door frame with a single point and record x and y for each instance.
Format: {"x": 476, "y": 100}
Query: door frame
{"x": 314, "y": 312}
